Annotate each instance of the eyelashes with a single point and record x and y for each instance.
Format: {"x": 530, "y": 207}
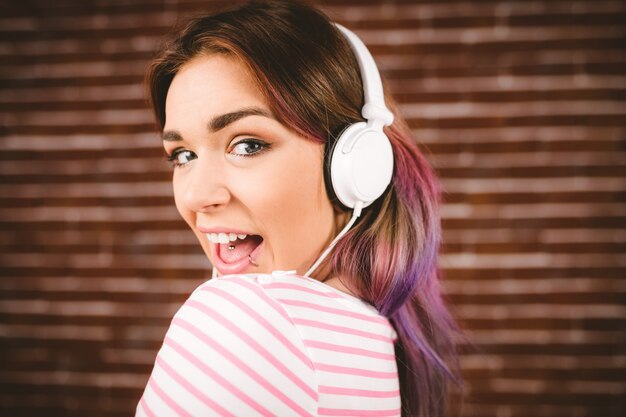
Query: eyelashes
{"x": 245, "y": 148}
{"x": 175, "y": 157}
{"x": 260, "y": 147}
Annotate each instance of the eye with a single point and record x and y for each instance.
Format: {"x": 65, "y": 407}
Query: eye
{"x": 181, "y": 157}
{"x": 249, "y": 147}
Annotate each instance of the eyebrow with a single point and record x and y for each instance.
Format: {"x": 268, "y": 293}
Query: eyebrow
{"x": 221, "y": 121}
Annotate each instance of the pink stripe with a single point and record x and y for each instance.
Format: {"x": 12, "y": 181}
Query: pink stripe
{"x": 347, "y": 349}
{"x": 263, "y": 322}
{"x": 261, "y": 350}
{"x": 358, "y": 413}
{"x": 354, "y": 371}
{"x": 243, "y": 366}
{"x": 215, "y": 375}
{"x": 167, "y": 400}
{"x": 143, "y": 404}
{"x": 323, "y": 389}
{"x": 342, "y": 329}
{"x": 338, "y": 311}
{"x": 285, "y": 285}
{"x": 255, "y": 288}
{"x": 278, "y": 364}
{"x": 187, "y": 385}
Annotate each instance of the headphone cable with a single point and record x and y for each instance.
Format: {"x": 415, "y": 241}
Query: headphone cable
{"x": 355, "y": 214}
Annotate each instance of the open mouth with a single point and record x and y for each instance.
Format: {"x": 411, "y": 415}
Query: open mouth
{"x": 236, "y": 256}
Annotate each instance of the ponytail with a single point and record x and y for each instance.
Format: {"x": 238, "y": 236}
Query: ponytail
{"x": 396, "y": 270}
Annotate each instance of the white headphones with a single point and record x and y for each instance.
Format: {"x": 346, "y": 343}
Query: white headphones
{"x": 362, "y": 159}
{"x": 361, "y": 163}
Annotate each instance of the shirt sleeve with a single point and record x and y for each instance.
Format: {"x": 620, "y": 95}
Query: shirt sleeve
{"x": 231, "y": 350}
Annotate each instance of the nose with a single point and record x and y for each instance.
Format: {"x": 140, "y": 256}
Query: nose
{"x": 201, "y": 187}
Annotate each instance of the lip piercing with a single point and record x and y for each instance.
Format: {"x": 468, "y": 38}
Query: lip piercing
{"x": 252, "y": 262}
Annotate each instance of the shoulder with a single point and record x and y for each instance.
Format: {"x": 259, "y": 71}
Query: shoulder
{"x": 238, "y": 309}
{"x": 232, "y": 347}
{"x": 304, "y": 299}
{"x": 240, "y": 295}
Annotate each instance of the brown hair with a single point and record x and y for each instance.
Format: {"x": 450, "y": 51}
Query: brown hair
{"x": 310, "y": 78}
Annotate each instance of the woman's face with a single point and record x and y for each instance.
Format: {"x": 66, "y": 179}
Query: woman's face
{"x": 238, "y": 171}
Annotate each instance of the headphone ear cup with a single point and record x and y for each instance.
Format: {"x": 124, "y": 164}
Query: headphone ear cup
{"x": 328, "y": 181}
{"x": 361, "y": 165}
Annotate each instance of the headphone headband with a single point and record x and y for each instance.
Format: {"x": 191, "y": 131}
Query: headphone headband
{"x": 374, "y": 110}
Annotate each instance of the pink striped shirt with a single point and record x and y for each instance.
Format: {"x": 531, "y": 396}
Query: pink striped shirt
{"x": 274, "y": 345}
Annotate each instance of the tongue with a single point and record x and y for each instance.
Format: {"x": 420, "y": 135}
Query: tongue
{"x": 243, "y": 248}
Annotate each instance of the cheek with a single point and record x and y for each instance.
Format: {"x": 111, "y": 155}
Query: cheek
{"x": 283, "y": 190}
{"x": 288, "y": 201}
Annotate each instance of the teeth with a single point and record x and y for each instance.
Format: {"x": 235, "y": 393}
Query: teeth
{"x": 224, "y": 237}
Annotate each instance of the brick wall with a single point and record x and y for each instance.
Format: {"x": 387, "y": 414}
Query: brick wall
{"x": 521, "y": 106}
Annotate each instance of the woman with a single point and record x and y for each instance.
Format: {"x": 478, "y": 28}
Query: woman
{"x": 251, "y": 102}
